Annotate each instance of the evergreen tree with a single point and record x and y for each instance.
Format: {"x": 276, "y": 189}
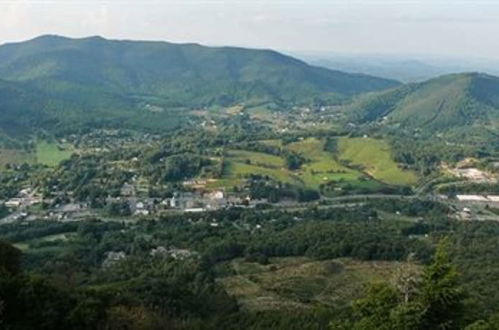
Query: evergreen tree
{"x": 441, "y": 294}
{"x": 434, "y": 302}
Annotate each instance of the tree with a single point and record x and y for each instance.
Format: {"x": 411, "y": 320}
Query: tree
{"x": 10, "y": 259}
{"x": 441, "y": 294}
{"x": 374, "y": 309}
{"x": 435, "y": 301}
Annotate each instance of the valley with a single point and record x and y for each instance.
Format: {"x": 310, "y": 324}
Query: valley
{"x": 194, "y": 187}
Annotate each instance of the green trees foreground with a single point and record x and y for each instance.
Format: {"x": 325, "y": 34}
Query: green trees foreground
{"x": 431, "y": 299}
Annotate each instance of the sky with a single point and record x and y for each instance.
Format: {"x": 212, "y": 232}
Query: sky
{"x": 435, "y": 27}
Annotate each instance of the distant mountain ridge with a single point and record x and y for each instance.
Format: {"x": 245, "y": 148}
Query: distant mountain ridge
{"x": 54, "y": 81}
{"x": 176, "y": 74}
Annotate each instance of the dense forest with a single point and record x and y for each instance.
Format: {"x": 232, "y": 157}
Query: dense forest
{"x": 74, "y": 284}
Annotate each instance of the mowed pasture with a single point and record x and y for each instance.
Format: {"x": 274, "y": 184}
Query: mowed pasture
{"x": 375, "y": 158}
{"x": 51, "y": 242}
{"x": 321, "y": 167}
{"x": 51, "y": 154}
{"x": 257, "y": 158}
{"x": 355, "y": 158}
{"x": 46, "y": 153}
{"x": 299, "y": 282}
{"x": 241, "y": 163}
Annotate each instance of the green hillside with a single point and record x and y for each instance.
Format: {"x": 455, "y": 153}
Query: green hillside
{"x": 59, "y": 84}
{"x": 454, "y": 105}
{"x": 172, "y": 74}
{"x": 375, "y": 157}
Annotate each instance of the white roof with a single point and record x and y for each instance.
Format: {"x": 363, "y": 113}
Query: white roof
{"x": 474, "y": 198}
{"x": 493, "y": 198}
{"x": 194, "y": 210}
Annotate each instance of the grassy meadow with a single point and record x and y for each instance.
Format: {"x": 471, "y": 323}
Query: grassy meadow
{"x": 322, "y": 166}
{"x": 374, "y": 156}
{"x": 51, "y": 154}
{"x": 355, "y": 158}
{"x": 298, "y": 282}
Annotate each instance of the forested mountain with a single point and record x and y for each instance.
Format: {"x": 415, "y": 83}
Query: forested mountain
{"x": 171, "y": 74}
{"x": 452, "y": 105}
{"x": 53, "y": 81}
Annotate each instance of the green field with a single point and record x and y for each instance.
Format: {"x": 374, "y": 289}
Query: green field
{"x": 55, "y": 238}
{"x": 374, "y": 156}
{"x": 298, "y": 282}
{"x": 322, "y": 167}
{"x": 273, "y": 142}
{"x": 238, "y": 170}
{"x": 257, "y": 158}
{"x": 51, "y": 154}
{"x": 260, "y": 112}
{"x": 367, "y": 156}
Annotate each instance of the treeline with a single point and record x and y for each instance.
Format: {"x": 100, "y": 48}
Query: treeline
{"x": 144, "y": 290}
{"x": 262, "y": 187}
{"x": 469, "y": 188}
{"x": 172, "y": 296}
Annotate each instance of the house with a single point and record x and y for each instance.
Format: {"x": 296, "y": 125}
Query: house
{"x": 180, "y": 254}
{"x": 194, "y": 209}
{"x": 159, "y": 251}
{"x": 113, "y": 257}
{"x": 471, "y": 198}
{"x": 217, "y": 194}
{"x": 13, "y": 203}
{"x": 173, "y": 202}
{"x": 24, "y": 192}
{"x": 127, "y": 190}
{"x": 141, "y": 212}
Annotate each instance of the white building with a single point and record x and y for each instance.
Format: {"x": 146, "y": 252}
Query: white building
{"x": 471, "y": 198}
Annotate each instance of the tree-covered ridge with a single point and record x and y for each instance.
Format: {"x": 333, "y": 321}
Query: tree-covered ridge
{"x": 173, "y": 74}
{"x": 463, "y": 102}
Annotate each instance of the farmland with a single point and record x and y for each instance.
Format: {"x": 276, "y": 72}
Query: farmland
{"x": 51, "y": 154}
{"x": 46, "y": 153}
{"x": 374, "y": 157}
{"x": 365, "y": 163}
{"x": 322, "y": 166}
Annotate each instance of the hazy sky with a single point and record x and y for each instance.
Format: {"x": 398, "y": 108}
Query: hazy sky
{"x": 446, "y": 27}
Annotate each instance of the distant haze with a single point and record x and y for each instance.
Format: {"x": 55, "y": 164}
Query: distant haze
{"x": 464, "y": 28}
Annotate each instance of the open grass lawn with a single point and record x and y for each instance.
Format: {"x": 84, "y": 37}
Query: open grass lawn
{"x": 322, "y": 167}
{"x": 25, "y": 245}
{"x": 260, "y": 112}
{"x": 51, "y": 154}
{"x": 376, "y": 159}
{"x": 241, "y": 163}
{"x": 257, "y": 158}
{"x": 272, "y": 142}
{"x": 22, "y": 246}
{"x": 234, "y": 110}
{"x": 298, "y": 282}
{"x": 236, "y": 169}
{"x": 57, "y": 237}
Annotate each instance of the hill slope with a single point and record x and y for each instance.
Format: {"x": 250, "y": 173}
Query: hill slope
{"x": 452, "y": 105}
{"x": 172, "y": 74}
